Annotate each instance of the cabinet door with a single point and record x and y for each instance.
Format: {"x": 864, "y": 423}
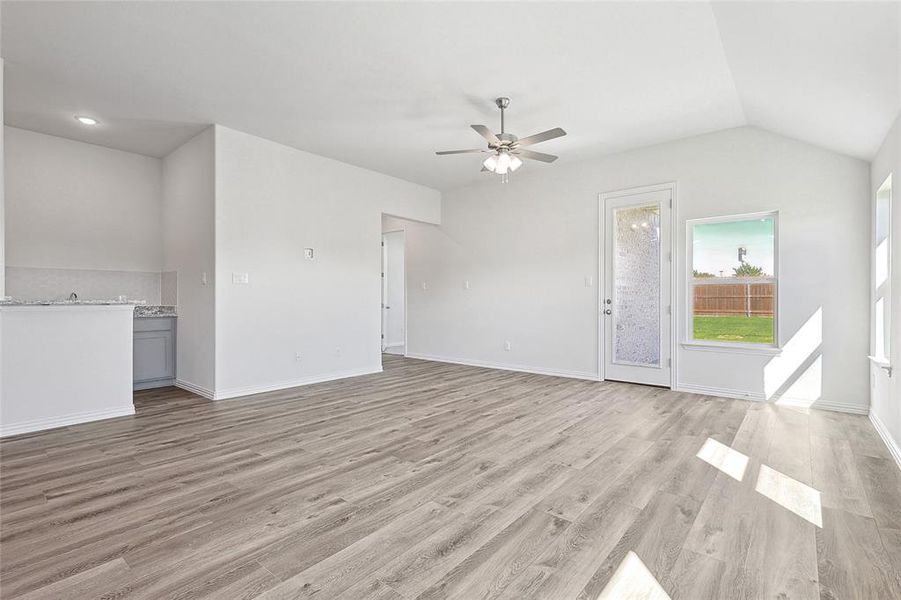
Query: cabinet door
{"x": 154, "y": 355}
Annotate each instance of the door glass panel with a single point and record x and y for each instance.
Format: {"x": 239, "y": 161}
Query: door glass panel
{"x": 636, "y": 277}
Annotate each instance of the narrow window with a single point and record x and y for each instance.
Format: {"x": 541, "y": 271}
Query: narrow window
{"x": 882, "y": 268}
{"x": 733, "y": 280}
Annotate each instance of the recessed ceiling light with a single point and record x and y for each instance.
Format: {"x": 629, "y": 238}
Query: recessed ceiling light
{"x": 86, "y": 120}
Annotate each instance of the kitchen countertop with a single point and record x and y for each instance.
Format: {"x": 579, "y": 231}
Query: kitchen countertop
{"x": 142, "y": 310}
{"x": 13, "y": 302}
{"x": 153, "y": 311}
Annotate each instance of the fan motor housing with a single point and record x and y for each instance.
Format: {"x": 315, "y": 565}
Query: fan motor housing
{"x": 507, "y": 139}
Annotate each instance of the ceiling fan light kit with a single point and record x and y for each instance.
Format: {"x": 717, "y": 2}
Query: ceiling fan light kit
{"x": 505, "y": 149}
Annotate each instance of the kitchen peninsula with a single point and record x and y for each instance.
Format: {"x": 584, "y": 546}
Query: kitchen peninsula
{"x": 63, "y": 363}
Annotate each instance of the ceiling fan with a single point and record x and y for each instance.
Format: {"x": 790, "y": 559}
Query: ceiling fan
{"x": 506, "y": 149}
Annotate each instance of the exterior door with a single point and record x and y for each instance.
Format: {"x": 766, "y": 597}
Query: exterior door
{"x": 635, "y": 307}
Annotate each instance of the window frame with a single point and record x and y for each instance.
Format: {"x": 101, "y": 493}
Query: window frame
{"x": 689, "y": 342}
{"x": 884, "y": 292}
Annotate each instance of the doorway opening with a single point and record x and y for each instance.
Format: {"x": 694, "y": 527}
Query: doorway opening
{"x": 394, "y": 292}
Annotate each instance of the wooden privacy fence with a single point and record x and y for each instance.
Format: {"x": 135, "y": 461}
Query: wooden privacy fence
{"x": 734, "y": 296}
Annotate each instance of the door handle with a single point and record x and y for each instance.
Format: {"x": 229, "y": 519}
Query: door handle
{"x": 387, "y": 307}
{"x": 607, "y": 311}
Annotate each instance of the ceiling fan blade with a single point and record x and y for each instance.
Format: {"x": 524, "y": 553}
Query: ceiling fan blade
{"x": 486, "y": 133}
{"x": 540, "y": 137}
{"x": 443, "y": 152}
{"x": 548, "y": 158}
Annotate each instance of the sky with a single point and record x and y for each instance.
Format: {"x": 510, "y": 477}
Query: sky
{"x": 716, "y": 245}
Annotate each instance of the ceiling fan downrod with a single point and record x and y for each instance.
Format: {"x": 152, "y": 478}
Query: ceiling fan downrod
{"x": 502, "y": 103}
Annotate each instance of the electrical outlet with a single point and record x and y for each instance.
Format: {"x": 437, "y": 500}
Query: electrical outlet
{"x": 203, "y": 278}
{"x": 466, "y": 285}
{"x": 507, "y": 346}
{"x": 589, "y": 281}
{"x": 240, "y": 278}
{"x": 425, "y": 285}
{"x": 297, "y": 357}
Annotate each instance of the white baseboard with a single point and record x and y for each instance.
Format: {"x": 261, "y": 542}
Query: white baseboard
{"x": 281, "y": 385}
{"x": 506, "y": 366}
{"x": 720, "y": 392}
{"x": 196, "y": 389}
{"x": 854, "y": 409}
{"x": 892, "y": 445}
{"x": 8, "y": 429}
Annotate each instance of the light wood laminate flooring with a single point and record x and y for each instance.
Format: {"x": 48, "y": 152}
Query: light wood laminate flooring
{"x": 443, "y": 481}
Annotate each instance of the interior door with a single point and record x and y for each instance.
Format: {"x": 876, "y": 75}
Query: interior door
{"x": 635, "y": 308}
{"x": 384, "y": 289}
{"x": 393, "y": 293}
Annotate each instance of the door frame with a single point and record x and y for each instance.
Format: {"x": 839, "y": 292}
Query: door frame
{"x": 403, "y": 237}
{"x": 602, "y": 274}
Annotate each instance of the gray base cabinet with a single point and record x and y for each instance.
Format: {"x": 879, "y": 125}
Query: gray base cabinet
{"x": 154, "y": 352}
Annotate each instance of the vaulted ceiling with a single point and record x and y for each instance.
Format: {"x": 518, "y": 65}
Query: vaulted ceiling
{"x": 385, "y": 85}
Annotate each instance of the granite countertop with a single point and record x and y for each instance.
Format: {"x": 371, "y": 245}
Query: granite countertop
{"x": 14, "y": 302}
{"x": 142, "y": 310}
{"x": 152, "y": 311}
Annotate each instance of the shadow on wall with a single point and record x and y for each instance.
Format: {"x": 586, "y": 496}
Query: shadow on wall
{"x": 795, "y": 377}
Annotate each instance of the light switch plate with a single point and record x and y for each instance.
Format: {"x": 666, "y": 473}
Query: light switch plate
{"x": 240, "y": 278}
{"x": 308, "y": 253}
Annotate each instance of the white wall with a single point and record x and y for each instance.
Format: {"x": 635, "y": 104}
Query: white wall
{"x": 527, "y": 247}
{"x": 2, "y": 221}
{"x": 71, "y": 205}
{"x": 188, "y": 247}
{"x": 2, "y": 198}
{"x": 885, "y": 407}
{"x": 273, "y": 201}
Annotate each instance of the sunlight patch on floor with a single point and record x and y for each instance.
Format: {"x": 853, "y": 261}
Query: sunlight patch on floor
{"x": 633, "y": 581}
{"x": 790, "y": 493}
{"x": 729, "y": 461}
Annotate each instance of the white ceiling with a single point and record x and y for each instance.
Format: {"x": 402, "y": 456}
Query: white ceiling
{"x": 385, "y": 85}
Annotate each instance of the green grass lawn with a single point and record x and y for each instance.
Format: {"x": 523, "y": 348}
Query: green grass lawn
{"x": 757, "y": 330}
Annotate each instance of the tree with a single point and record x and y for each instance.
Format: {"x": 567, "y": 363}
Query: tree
{"x": 748, "y": 270}
{"x": 702, "y": 274}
